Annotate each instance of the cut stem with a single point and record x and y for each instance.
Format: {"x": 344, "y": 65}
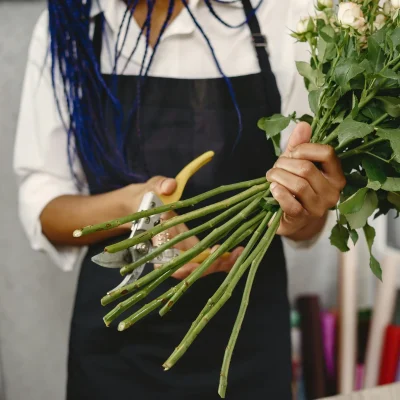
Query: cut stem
{"x": 181, "y": 219}
{"x": 249, "y": 247}
{"x": 261, "y": 247}
{"x": 177, "y": 262}
{"x": 198, "y": 272}
{"x": 146, "y": 309}
{"x": 162, "y": 209}
{"x": 184, "y": 235}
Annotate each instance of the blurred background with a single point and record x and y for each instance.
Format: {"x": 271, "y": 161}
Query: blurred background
{"x": 36, "y": 298}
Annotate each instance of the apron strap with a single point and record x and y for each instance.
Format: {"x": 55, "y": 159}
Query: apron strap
{"x": 260, "y": 45}
{"x": 98, "y": 36}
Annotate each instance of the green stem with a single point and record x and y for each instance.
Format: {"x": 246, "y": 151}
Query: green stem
{"x": 177, "y": 262}
{"x": 146, "y": 309}
{"x": 123, "y": 306}
{"x": 261, "y": 247}
{"x": 198, "y": 272}
{"x": 223, "y": 380}
{"x": 360, "y": 149}
{"x": 181, "y": 219}
{"x": 249, "y": 247}
{"x": 162, "y": 209}
{"x": 184, "y": 235}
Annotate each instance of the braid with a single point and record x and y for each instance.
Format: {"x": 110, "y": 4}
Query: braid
{"x": 74, "y": 62}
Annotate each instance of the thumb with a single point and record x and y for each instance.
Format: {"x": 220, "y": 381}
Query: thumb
{"x": 161, "y": 185}
{"x": 301, "y": 134}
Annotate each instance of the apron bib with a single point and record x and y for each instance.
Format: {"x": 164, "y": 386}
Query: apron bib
{"x": 192, "y": 116}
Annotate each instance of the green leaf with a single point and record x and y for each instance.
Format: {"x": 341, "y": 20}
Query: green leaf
{"x": 395, "y": 37}
{"x": 391, "y": 105}
{"x": 358, "y": 219}
{"x": 314, "y": 76}
{"x": 326, "y": 50}
{"x": 376, "y": 53}
{"x": 392, "y": 185}
{"x": 374, "y": 169}
{"x": 393, "y": 135}
{"x": 306, "y": 118}
{"x": 374, "y": 185}
{"x": 313, "y": 100}
{"x": 345, "y": 71}
{"x": 394, "y": 198}
{"x": 354, "y": 106}
{"x": 330, "y": 101}
{"x": 274, "y": 124}
{"x": 276, "y": 141}
{"x": 372, "y": 112}
{"x": 349, "y": 130}
{"x": 390, "y": 78}
{"x": 339, "y": 117}
{"x": 339, "y": 237}
{"x": 354, "y": 236}
{"x": 328, "y": 34}
{"x": 354, "y": 203}
{"x": 369, "y": 233}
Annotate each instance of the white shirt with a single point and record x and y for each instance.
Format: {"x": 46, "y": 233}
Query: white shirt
{"x": 40, "y": 159}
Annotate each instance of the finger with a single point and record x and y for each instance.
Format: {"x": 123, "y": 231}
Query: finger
{"x": 296, "y": 185}
{"x": 161, "y": 185}
{"x": 307, "y": 170}
{"x": 290, "y": 206}
{"x": 185, "y": 271}
{"x": 301, "y": 134}
{"x": 326, "y": 156}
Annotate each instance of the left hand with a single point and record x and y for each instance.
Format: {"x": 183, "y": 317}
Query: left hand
{"x": 304, "y": 192}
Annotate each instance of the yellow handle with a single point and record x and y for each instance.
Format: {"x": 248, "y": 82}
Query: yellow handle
{"x": 203, "y": 256}
{"x": 181, "y": 180}
{"x": 183, "y": 176}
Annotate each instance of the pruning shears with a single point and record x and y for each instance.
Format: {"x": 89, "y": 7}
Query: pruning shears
{"x": 151, "y": 200}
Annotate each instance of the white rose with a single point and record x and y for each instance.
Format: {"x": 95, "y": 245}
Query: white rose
{"x": 306, "y": 24}
{"x": 387, "y": 7}
{"x": 325, "y": 4}
{"x": 350, "y": 15}
{"x": 379, "y": 22}
{"x": 395, "y": 4}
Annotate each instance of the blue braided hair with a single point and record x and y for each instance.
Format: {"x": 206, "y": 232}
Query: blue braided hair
{"x": 73, "y": 59}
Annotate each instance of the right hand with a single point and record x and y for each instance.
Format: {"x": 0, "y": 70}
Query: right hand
{"x": 131, "y": 195}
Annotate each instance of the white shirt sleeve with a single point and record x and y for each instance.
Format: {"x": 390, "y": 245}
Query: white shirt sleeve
{"x": 40, "y": 153}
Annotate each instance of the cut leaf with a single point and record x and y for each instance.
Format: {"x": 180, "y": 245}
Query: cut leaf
{"x": 339, "y": 237}
{"x": 369, "y": 233}
{"x": 274, "y": 124}
{"x": 354, "y": 203}
{"x": 350, "y": 129}
{"x": 358, "y": 219}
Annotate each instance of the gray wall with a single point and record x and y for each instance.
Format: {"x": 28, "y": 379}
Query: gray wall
{"x": 35, "y": 298}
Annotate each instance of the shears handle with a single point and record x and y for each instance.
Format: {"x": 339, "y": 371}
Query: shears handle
{"x": 186, "y": 173}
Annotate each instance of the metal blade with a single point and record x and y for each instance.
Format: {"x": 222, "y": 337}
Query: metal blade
{"x": 113, "y": 260}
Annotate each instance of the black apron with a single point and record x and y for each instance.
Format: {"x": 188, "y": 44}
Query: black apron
{"x": 179, "y": 120}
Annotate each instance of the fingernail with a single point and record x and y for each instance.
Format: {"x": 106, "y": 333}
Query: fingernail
{"x": 272, "y": 186}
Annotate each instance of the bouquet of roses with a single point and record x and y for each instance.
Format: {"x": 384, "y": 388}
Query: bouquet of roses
{"x": 354, "y": 95}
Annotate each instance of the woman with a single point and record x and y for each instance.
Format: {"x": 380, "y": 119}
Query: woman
{"x": 130, "y": 92}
